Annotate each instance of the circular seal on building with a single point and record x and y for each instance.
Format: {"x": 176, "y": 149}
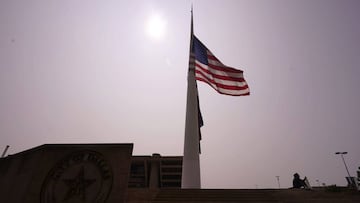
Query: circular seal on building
{"x": 83, "y": 176}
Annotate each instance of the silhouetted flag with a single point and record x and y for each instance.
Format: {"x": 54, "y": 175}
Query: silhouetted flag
{"x": 200, "y": 118}
{"x": 223, "y": 79}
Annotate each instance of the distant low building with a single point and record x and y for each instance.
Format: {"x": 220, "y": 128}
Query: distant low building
{"x": 155, "y": 171}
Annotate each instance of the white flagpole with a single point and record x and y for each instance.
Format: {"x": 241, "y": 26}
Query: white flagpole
{"x": 191, "y": 161}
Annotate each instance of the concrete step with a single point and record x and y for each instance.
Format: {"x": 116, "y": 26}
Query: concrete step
{"x": 318, "y": 195}
{"x": 213, "y": 195}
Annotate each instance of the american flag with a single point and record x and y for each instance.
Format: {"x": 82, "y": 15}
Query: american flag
{"x": 209, "y": 69}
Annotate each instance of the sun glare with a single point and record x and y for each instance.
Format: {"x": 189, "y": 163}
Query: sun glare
{"x": 155, "y": 27}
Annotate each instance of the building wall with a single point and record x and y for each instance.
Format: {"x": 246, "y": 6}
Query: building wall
{"x": 66, "y": 173}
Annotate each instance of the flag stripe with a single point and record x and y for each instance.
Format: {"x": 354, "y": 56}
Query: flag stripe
{"x": 220, "y": 75}
{"x": 216, "y": 64}
{"x": 221, "y": 83}
{"x": 223, "y": 87}
{"x": 218, "y": 82}
{"x": 226, "y": 91}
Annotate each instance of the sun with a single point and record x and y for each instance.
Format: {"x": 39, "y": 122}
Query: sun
{"x": 156, "y": 27}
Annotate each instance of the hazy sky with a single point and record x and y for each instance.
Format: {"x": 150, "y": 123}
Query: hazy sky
{"x": 80, "y": 71}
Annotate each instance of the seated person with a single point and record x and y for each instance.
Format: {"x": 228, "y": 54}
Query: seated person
{"x": 299, "y": 183}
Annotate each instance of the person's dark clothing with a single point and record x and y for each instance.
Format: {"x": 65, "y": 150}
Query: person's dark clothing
{"x": 297, "y": 182}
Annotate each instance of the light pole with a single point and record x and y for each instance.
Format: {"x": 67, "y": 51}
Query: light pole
{"x": 4, "y": 153}
{"x": 278, "y": 180}
{"x": 342, "y": 156}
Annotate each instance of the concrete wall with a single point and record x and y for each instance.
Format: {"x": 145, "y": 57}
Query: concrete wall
{"x": 66, "y": 173}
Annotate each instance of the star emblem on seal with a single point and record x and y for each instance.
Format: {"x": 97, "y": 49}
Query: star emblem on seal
{"x": 81, "y": 176}
{"x": 77, "y": 185}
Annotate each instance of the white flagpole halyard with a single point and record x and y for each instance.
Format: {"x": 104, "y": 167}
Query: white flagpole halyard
{"x": 191, "y": 159}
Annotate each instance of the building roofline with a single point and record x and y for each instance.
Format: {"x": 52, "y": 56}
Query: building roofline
{"x": 67, "y": 145}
